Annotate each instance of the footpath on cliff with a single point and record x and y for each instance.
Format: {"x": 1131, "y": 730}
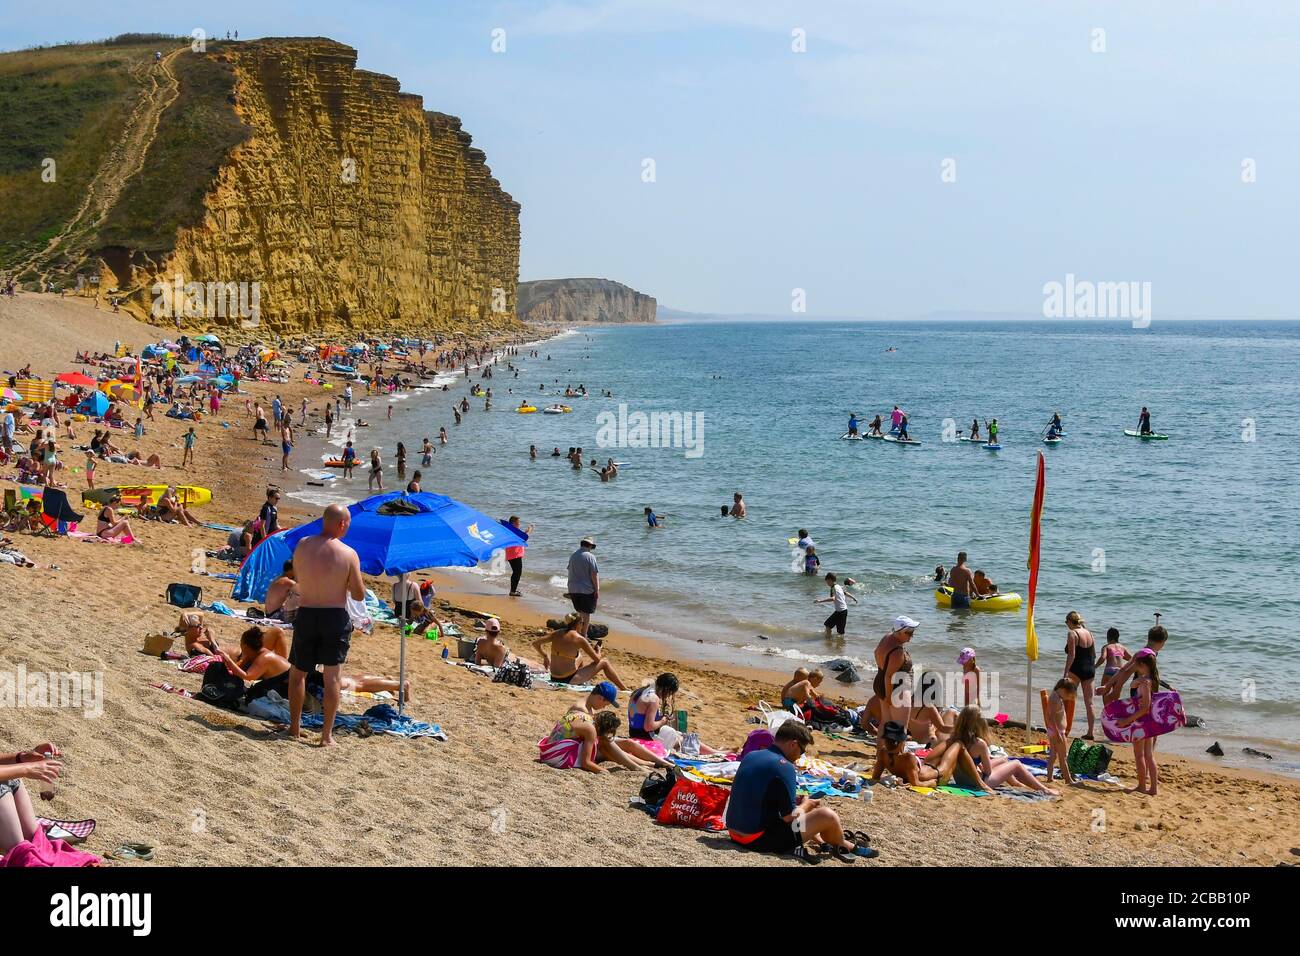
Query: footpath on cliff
{"x": 158, "y": 90}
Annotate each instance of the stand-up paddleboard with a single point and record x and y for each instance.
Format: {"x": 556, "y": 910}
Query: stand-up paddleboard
{"x": 1051, "y": 441}
{"x": 974, "y": 441}
{"x": 900, "y": 441}
{"x": 992, "y": 447}
{"x": 1149, "y": 436}
{"x": 847, "y": 437}
{"x": 1166, "y": 714}
{"x": 876, "y": 437}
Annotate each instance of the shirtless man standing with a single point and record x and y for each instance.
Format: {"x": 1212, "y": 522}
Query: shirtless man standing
{"x": 566, "y": 644}
{"x": 738, "y": 506}
{"x": 329, "y": 572}
{"x": 962, "y": 583}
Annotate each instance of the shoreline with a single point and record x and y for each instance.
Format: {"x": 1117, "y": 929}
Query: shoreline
{"x": 727, "y": 648}
{"x": 155, "y": 765}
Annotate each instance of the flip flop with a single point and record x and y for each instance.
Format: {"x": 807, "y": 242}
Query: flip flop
{"x": 133, "y": 851}
{"x": 805, "y": 855}
{"x": 849, "y": 856}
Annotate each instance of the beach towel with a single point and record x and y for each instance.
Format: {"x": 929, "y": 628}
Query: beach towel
{"x": 1024, "y": 796}
{"x": 76, "y": 830}
{"x": 961, "y": 792}
{"x": 381, "y": 719}
{"x": 96, "y": 539}
{"x": 40, "y": 850}
{"x": 197, "y": 665}
{"x": 560, "y": 754}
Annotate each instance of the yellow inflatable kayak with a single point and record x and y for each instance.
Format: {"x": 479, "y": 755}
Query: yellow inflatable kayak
{"x": 997, "y": 602}
{"x": 188, "y": 495}
{"x": 526, "y": 409}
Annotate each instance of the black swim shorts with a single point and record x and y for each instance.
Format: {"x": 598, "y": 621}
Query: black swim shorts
{"x": 320, "y": 636}
{"x": 583, "y": 603}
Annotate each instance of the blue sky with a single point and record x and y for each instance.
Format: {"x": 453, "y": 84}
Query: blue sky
{"x": 821, "y": 170}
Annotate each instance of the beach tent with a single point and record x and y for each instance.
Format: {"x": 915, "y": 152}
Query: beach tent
{"x": 262, "y": 566}
{"x": 395, "y": 533}
{"x": 95, "y": 404}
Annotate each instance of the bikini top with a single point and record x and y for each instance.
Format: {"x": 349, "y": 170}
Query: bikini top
{"x": 563, "y": 729}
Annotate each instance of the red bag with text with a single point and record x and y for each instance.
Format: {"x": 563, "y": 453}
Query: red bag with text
{"x": 694, "y": 804}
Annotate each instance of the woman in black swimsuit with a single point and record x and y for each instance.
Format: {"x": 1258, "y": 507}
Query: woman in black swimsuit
{"x": 1080, "y": 664}
{"x": 893, "y": 659}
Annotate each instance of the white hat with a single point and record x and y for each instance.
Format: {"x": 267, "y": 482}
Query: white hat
{"x": 902, "y": 622}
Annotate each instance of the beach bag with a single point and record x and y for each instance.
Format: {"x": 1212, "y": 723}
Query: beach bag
{"x": 158, "y": 644}
{"x": 220, "y": 687}
{"x": 757, "y": 740}
{"x": 1090, "y": 760}
{"x": 514, "y": 673}
{"x": 655, "y": 789}
{"x": 694, "y": 804}
{"x": 184, "y": 595}
{"x": 829, "y": 717}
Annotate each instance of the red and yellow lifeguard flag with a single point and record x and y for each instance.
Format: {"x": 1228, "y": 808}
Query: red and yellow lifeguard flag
{"x": 1035, "y": 544}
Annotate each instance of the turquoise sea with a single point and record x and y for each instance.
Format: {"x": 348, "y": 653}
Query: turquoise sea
{"x": 1201, "y": 528}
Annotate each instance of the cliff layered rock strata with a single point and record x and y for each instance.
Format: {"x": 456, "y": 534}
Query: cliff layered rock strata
{"x": 569, "y": 301}
{"x": 348, "y": 205}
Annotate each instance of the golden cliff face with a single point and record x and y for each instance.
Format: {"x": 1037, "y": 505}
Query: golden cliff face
{"x": 349, "y": 206}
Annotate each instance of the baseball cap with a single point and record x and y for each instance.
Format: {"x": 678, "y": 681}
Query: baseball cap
{"x": 607, "y": 690}
{"x": 966, "y": 655}
{"x": 894, "y": 732}
{"x": 902, "y": 622}
{"x": 493, "y": 626}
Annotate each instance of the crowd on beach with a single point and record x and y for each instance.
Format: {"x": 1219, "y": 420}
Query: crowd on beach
{"x": 299, "y": 644}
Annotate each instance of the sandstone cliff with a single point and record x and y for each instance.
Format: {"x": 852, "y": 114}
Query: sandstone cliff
{"x": 567, "y": 301}
{"x": 343, "y": 200}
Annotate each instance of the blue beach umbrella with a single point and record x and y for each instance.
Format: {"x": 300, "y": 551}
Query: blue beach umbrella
{"x": 440, "y": 532}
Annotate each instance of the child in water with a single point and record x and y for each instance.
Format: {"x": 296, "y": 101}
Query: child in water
{"x": 1113, "y": 656}
{"x": 839, "y": 598}
{"x": 810, "y": 560}
{"x": 1058, "y": 733}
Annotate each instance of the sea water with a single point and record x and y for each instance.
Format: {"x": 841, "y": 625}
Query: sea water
{"x": 1200, "y": 528}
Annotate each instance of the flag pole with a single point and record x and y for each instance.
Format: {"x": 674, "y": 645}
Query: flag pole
{"x": 1029, "y": 694}
{"x": 1035, "y": 550}
{"x": 401, "y": 654}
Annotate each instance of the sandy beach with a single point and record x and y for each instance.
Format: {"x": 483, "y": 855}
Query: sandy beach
{"x": 206, "y": 786}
